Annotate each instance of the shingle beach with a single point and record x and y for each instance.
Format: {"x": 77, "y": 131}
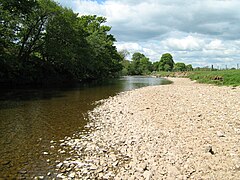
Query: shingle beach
{"x": 184, "y": 130}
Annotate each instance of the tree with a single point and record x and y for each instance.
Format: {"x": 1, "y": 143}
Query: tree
{"x": 140, "y": 65}
{"x": 124, "y": 53}
{"x": 155, "y": 66}
{"x": 137, "y": 56}
{"x": 145, "y": 66}
{"x": 179, "y": 67}
{"x": 166, "y": 62}
{"x": 189, "y": 67}
{"x": 41, "y": 40}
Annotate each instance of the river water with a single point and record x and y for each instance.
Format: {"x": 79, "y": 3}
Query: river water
{"x": 31, "y": 118}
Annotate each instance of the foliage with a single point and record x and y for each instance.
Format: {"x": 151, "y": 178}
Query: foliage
{"x": 166, "y": 62}
{"x": 224, "y": 77}
{"x": 42, "y": 41}
{"x": 140, "y": 65}
{"x": 179, "y": 67}
{"x": 189, "y": 67}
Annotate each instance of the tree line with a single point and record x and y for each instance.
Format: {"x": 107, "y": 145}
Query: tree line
{"x": 141, "y": 65}
{"x": 42, "y": 42}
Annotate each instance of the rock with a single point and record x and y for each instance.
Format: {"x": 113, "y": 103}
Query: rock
{"x": 115, "y": 163}
{"x": 68, "y": 169}
{"x": 61, "y": 176}
{"x": 45, "y": 153}
{"x": 59, "y": 165}
{"x": 63, "y": 170}
{"x": 147, "y": 175}
{"x": 208, "y": 149}
{"x": 93, "y": 167}
{"x": 71, "y": 175}
{"x": 49, "y": 174}
{"x": 108, "y": 175}
{"x": 6, "y": 162}
{"x": 62, "y": 152}
{"x": 220, "y": 134}
{"x": 22, "y": 172}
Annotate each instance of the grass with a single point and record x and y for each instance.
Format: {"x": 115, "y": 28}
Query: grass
{"x": 224, "y": 77}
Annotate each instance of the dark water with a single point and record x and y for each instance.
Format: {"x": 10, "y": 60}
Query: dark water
{"x": 30, "y": 119}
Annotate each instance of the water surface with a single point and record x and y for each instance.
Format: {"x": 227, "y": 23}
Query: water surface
{"x": 31, "y": 118}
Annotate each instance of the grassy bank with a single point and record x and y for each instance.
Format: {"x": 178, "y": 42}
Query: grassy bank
{"x": 225, "y": 77}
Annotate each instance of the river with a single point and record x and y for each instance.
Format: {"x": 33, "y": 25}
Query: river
{"x": 31, "y": 118}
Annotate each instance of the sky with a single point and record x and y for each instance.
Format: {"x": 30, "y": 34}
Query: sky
{"x": 197, "y": 32}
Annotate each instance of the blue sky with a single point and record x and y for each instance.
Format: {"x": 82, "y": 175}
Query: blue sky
{"x": 200, "y": 32}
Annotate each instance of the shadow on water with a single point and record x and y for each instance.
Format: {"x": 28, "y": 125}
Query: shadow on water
{"x": 31, "y": 118}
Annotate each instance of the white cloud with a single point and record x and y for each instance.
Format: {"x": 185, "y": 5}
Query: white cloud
{"x": 200, "y": 32}
{"x": 215, "y": 44}
{"x": 189, "y": 43}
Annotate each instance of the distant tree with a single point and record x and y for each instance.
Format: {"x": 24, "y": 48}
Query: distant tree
{"x": 189, "y": 67}
{"x": 124, "y": 53}
{"x": 155, "y": 66}
{"x": 179, "y": 67}
{"x": 126, "y": 64}
{"x": 166, "y": 62}
{"x": 145, "y": 66}
{"x": 139, "y": 65}
{"x": 134, "y": 68}
{"x": 137, "y": 56}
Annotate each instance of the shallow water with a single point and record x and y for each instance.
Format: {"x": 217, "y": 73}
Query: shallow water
{"x": 30, "y": 119}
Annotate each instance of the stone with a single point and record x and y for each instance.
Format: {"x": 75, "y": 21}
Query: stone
{"x": 49, "y": 174}
{"x": 6, "y": 162}
{"x": 71, "y": 175}
{"x": 22, "y": 172}
{"x": 115, "y": 163}
{"x": 45, "y": 153}
{"x": 93, "y": 167}
{"x": 147, "y": 175}
{"x": 208, "y": 149}
{"x": 59, "y": 165}
{"x": 220, "y": 134}
{"x": 62, "y": 152}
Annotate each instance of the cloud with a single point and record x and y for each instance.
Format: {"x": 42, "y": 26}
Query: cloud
{"x": 200, "y": 32}
{"x": 189, "y": 43}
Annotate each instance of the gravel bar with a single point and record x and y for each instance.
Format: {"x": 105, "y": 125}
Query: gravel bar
{"x": 184, "y": 130}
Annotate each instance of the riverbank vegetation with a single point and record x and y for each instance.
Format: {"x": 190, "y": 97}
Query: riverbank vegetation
{"x": 141, "y": 65}
{"x": 217, "y": 77}
{"x": 224, "y": 77}
{"x": 42, "y": 42}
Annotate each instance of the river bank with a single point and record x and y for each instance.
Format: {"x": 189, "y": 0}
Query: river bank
{"x": 178, "y": 131}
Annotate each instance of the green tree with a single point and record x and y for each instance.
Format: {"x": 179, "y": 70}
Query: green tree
{"x": 179, "y": 67}
{"x": 166, "y": 62}
{"x": 140, "y": 64}
{"x": 189, "y": 67}
{"x": 155, "y": 66}
{"x": 145, "y": 66}
{"x": 124, "y": 53}
{"x": 41, "y": 40}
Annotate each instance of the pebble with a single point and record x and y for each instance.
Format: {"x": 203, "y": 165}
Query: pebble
{"x": 220, "y": 134}
{"x": 158, "y": 133}
{"x": 22, "y": 172}
{"x": 59, "y": 165}
{"x": 147, "y": 175}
